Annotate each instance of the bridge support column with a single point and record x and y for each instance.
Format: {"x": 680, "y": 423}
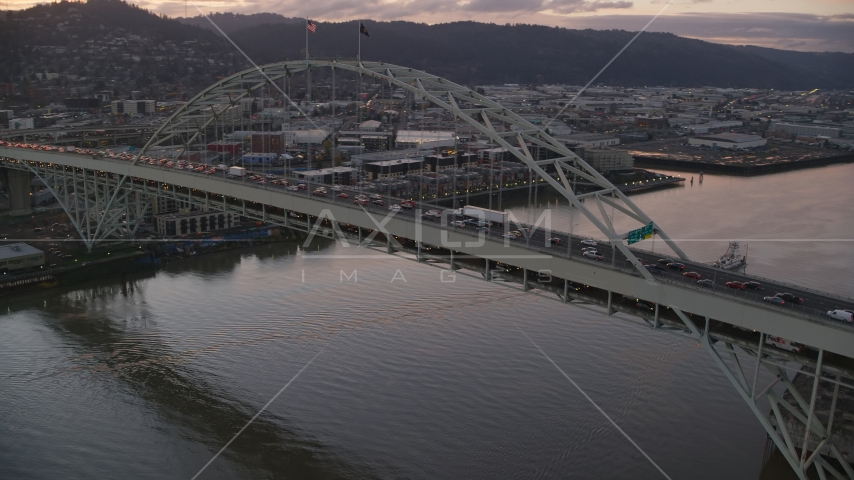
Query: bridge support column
{"x": 655, "y": 323}
{"x": 524, "y": 279}
{"x": 486, "y": 276}
{"x": 17, "y": 183}
{"x": 610, "y": 310}
{"x": 565, "y": 290}
{"x": 418, "y": 252}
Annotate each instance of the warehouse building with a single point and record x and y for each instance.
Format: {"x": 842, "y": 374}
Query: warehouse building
{"x": 189, "y": 223}
{"x": 730, "y": 141}
{"x": 19, "y": 257}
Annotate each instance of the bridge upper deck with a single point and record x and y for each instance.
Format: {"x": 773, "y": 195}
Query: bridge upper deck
{"x": 804, "y": 324}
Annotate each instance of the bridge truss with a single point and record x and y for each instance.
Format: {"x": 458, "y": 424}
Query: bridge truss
{"x": 103, "y": 205}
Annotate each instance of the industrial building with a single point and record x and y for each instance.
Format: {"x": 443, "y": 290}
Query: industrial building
{"x": 438, "y": 163}
{"x": 731, "y": 141}
{"x": 21, "y": 123}
{"x": 18, "y": 257}
{"x": 805, "y": 130}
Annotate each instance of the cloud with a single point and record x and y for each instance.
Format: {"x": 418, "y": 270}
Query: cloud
{"x": 776, "y": 30}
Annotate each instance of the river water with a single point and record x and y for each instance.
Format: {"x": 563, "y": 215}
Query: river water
{"x": 413, "y": 377}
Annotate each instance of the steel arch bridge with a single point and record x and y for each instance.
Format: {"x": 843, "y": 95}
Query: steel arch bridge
{"x": 107, "y": 198}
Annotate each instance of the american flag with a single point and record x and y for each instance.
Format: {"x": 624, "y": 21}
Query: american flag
{"x": 311, "y": 26}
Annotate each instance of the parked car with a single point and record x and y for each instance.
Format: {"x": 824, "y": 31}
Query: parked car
{"x": 735, "y": 285}
{"x": 774, "y": 301}
{"x": 706, "y": 283}
{"x": 693, "y": 275}
{"x": 587, "y": 241}
{"x": 841, "y": 315}
{"x": 790, "y": 298}
{"x": 675, "y": 266}
{"x": 753, "y": 285}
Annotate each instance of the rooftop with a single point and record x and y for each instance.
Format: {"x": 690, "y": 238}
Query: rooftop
{"x": 16, "y": 250}
{"x": 731, "y": 137}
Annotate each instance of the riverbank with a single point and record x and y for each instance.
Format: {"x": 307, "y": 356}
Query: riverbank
{"x": 738, "y": 169}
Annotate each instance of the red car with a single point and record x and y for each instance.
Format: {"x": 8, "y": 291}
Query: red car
{"x": 360, "y": 201}
{"x": 342, "y": 195}
{"x": 693, "y": 275}
{"x": 734, "y": 284}
{"x": 407, "y": 204}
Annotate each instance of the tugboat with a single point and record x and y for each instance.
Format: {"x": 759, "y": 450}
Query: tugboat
{"x": 732, "y": 258}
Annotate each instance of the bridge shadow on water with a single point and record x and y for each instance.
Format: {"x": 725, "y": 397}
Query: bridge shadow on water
{"x": 204, "y": 412}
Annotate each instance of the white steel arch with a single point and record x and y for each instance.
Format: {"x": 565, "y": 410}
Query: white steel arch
{"x": 186, "y": 126}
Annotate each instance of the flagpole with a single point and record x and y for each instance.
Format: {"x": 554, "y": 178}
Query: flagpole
{"x": 359, "y": 27}
{"x": 306, "y": 38}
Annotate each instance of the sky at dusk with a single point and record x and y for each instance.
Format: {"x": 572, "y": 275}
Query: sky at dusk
{"x": 814, "y": 25}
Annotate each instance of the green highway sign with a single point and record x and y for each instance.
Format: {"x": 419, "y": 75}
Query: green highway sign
{"x": 639, "y": 234}
{"x": 646, "y": 231}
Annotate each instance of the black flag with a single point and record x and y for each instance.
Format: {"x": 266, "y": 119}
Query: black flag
{"x": 363, "y": 30}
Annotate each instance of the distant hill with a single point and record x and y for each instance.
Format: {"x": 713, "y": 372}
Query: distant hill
{"x": 232, "y": 22}
{"x": 471, "y": 52}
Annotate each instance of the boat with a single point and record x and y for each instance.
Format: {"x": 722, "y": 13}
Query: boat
{"x": 732, "y": 258}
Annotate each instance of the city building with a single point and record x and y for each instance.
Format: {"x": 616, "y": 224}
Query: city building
{"x": 731, "y": 141}
{"x": 424, "y": 138}
{"x": 607, "y": 160}
{"x": 260, "y": 158}
{"x": 17, "y": 257}
{"x": 333, "y": 175}
{"x": 234, "y": 148}
{"x": 589, "y": 140}
{"x": 134, "y": 107}
{"x": 268, "y": 142}
{"x": 438, "y": 163}
{"x": 190, "y": 223}
{"x": 392, "y": 168}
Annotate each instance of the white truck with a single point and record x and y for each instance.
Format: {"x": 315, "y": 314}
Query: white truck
{"x": 237, "y": 171}
{"x": 484, "y": 214}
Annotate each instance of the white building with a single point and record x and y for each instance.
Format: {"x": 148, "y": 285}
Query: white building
{"x": 731, "y": 141}
{"x": 607, "y": 160}
{"x": 21, "y": 124}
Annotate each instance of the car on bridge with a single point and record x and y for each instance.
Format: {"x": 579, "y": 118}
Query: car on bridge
{"x": 753, "y": 285}
{"x": 790, "y": 298}
{"x": 408, "y": 204}
{"x": 319, "y": 191}
{"x": 693, "y": 275}
{"x": 376, "y": 196}
{"x": 587, "y": 241}
{"x": 708, "y": 283}
{"x": 665, "y": 261}
{"x": 593, "y": 255}
{"x": 841, "y": 315}
{"x": 675, "y": 266}
{"x": 736, "y": 285}
{"x": 391, "y": 208}
{"x": 507, "y": 235}
{"x": 774, "y": 301}
{"x": 342, "y": 195}
{"x": 458, "y": 224}
{"x": 654, "y": 269}
{"x": 782, "y": 343}
{"x": 644, "y": 306}
{"x": 555, "y": 241}
{"x": 432, "y": 214}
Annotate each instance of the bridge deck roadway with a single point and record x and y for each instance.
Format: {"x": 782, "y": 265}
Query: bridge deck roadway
{"x": 720, "y": 305}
